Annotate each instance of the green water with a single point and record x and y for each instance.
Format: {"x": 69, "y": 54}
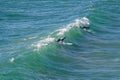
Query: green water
{"x": 29, "y": 28}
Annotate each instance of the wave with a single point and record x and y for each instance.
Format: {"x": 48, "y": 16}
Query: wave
{"x": 69, "y": 30}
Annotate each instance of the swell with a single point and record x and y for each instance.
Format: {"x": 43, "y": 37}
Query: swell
{"x": 46, "y": 56}
{"x": 70, "y": 31}
{"x": 103, "y": 17}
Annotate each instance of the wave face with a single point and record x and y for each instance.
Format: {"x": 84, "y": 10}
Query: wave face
{"x": 29, "y": 30}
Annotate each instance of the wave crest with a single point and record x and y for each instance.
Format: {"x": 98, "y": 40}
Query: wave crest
{"x": 60, "y": 32}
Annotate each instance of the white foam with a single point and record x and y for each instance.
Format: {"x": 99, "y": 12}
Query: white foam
{"x": 77, "y": 22}
{"x": 43, "y": 42}
{"x": 33, "y": 37}
{"x": 12, "y": 59}
{"x": 84, "y": 21}
{"x": 63, "y": 30}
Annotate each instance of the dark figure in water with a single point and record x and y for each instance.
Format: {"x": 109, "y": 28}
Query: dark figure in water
{"x": 61, "y": 39}
{"x": 84, "y": 27}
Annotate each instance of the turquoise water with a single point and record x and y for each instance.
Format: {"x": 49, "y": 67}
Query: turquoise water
{"x": 29, "y": 28}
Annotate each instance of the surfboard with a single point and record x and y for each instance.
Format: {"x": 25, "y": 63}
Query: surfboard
{"x": 67, "y": 43}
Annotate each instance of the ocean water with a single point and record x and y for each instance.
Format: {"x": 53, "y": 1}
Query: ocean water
{"x": 29, "y": 29}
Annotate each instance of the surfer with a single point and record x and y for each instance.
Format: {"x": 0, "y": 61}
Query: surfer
{"x": 61, "y": 39}
{"x": 84, "y": 27}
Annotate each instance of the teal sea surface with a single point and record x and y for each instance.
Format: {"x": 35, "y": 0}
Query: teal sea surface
{"x": 29, "y": 30}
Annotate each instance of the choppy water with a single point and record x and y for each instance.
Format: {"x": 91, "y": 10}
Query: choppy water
{"x": 29, "y": 28}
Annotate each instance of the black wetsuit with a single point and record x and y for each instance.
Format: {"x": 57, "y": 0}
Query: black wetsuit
{"x": 84, "y": 27}
{"x": 61, "y": 39}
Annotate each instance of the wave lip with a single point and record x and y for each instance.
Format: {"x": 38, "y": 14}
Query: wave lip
{"x": 78, "y": 22}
